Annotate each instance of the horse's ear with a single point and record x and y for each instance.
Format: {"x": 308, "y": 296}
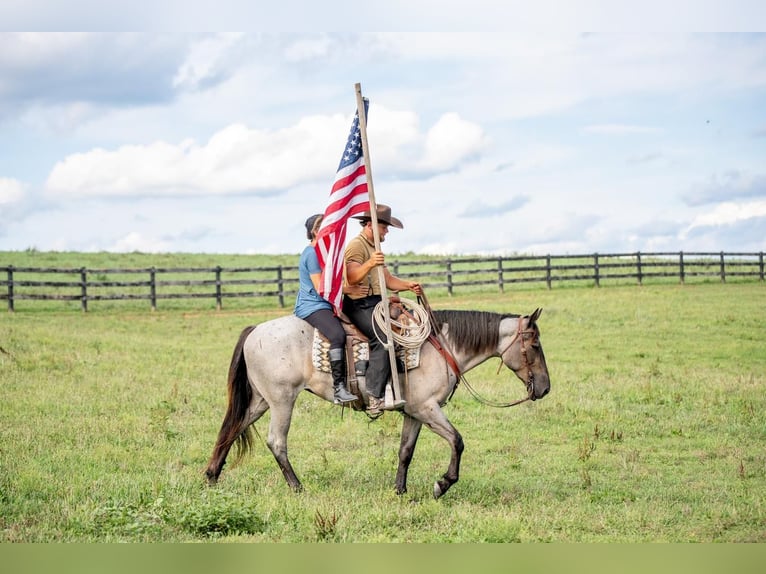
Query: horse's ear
{"x": 535, "y": 315}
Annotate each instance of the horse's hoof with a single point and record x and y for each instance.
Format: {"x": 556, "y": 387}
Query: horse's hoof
{"x": 437, "y": 490}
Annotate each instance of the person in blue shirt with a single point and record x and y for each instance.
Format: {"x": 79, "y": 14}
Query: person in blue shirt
{"x": 318, "y": 312}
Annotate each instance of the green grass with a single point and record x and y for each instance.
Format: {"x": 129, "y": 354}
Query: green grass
{"x": 654, "y": 431}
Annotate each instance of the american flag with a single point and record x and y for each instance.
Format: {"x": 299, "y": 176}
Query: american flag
{"x": 348, "y": 197}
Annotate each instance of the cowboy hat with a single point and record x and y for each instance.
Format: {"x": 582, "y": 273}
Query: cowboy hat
{"x": 384, "y": 216}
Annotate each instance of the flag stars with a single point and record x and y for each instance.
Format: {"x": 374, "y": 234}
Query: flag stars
{"x": 353, "y": 150}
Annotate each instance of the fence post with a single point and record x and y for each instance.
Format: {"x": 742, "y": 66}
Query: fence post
{"x": 682, "y": 275}
{"x": 639, "y": 272}
{"x": 548, "y": 270}
{"x": 723, "y": 268}
{"x": 449, "y": 276}
{"x": 596, "y": 274}
{"x": 500, "y": 274}
{"x": 10, "y": 285}
{"x": 280, "y": 287}
{"x": 84, "y": 289}
{"x": 153, "y": 288}
{"x": 760, "y": 263}
{"x": 218, "y": 301}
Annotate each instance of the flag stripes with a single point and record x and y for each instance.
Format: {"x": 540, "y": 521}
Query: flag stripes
{"x": 348, "y": 197}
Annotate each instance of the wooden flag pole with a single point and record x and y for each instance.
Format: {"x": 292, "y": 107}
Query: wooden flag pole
{"x": 376, "y": 236}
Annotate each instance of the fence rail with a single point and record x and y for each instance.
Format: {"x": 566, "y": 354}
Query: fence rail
{"x": 450, "y": 274}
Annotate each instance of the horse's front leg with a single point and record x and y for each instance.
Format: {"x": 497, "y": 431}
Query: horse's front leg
{"x": 438, "y": 423}
{"x": 410, "y": 432}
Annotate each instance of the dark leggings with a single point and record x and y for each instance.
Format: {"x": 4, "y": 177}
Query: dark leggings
{"x": 329, "y": 325}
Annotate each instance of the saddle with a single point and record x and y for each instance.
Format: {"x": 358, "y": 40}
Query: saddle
{"x": 358, "y": 353}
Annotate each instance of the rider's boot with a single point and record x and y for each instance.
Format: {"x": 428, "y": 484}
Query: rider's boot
{"x": 341, "y": 394}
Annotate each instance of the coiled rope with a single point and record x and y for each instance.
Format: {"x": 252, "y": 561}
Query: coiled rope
{"x": 410, "y": 329}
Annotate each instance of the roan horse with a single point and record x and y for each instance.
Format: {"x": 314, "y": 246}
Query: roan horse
{"x": 272, "y": 364}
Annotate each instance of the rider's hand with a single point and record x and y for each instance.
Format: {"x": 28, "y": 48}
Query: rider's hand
{"x": 377, "y": 258}
{"x": 415, "y": 288}
{"x": 356, "y": 291}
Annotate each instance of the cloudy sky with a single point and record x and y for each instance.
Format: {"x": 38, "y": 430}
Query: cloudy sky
{"x": 483, "y": 143}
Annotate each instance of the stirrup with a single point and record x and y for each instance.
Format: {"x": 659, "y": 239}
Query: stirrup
{"x": 396, "y": 405}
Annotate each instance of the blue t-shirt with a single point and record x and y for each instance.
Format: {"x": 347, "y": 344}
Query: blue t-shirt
{"x": 308, "y": 300}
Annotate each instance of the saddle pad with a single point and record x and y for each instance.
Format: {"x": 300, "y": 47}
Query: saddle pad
{"x": 320, "y": 350}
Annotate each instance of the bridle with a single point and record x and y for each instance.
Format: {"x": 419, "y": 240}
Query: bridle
{"x": 450, "y": 360}
{"x": 530, "y": 382}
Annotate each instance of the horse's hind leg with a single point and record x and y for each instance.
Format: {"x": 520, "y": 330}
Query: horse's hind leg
{"x": 227, "y": 438}
{"x": 410, "y": 433}
{"x": 281, "y": 415}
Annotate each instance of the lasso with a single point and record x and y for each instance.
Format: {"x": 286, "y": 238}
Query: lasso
{"x": 413, "y": 324}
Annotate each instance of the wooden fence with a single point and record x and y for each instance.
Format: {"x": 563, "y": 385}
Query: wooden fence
{"x": 449, "y": 274}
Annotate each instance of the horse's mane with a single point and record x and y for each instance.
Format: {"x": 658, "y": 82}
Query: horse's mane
{"x": 472, "y": 331}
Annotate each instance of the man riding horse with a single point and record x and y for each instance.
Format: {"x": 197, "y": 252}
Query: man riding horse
{"x": 361, "y": 262}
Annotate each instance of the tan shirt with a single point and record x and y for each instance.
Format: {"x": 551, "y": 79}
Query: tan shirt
{"x": 359, "y": 250}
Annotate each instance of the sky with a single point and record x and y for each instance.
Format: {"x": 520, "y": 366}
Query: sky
{"x": 489, "y": 143}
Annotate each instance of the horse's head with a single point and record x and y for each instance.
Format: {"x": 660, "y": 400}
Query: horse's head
{"x": 522, "y": 352}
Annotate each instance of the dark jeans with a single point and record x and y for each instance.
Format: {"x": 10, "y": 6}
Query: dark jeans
{"x": 329, "y": 325}
{"x": 360, "y": 312}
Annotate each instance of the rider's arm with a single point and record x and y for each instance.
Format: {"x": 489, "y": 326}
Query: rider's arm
{"x": 357, "y": 272}
{"x": 396, "y": 284}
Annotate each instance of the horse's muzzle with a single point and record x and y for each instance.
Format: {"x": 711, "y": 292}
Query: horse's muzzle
{"x": 537, "y": 390}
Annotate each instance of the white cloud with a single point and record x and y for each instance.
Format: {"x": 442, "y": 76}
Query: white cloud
{"x": 732, "y": 184}
{"x": 728, "y": 213}
{"x": 11, "y": 191}
{"x": 205, "y": 60}
{"x": 450, "y": 140}
{"x": 238, "y": 159}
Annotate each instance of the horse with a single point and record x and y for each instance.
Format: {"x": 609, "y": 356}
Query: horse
{"x": 272, "y": 363}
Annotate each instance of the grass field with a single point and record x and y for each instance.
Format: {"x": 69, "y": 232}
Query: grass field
{"x": 654, "y": 430}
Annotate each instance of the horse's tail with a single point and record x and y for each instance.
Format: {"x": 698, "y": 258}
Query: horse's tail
{"x": 234, "y": 427}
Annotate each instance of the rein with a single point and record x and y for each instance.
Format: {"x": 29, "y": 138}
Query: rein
{"x": 450, "y": 359}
